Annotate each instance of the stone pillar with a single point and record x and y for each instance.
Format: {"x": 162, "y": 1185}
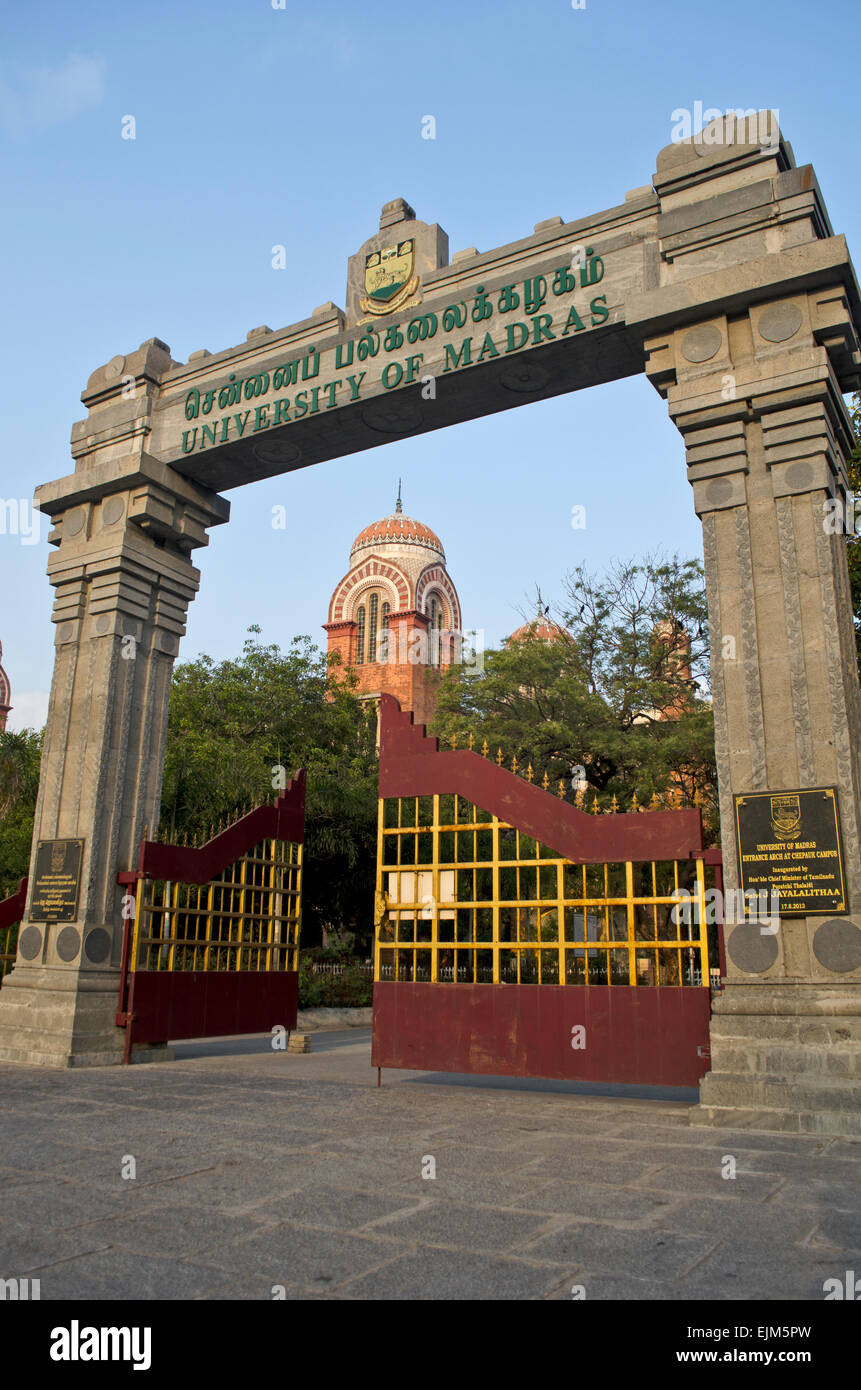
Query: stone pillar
{"x": 125, "y": 525}
{"x": 756, "y": 397}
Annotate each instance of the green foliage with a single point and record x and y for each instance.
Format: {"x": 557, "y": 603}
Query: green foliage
{"x": 233, "y": 723}
{"x": 621, "y": 690}
{"x": 20, "y": 756}
{"x": 352, "y": 988}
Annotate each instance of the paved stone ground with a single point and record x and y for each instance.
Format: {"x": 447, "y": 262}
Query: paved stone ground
{"x": 257, "y": 1168}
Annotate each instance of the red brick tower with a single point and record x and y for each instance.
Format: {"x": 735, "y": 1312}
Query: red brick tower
{"x": 395, "y": 616}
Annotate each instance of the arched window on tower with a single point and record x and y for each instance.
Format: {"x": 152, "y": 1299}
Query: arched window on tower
{"x": 373, "y": 608}
{"x": 360, "y": 636}
{"x": 435, "y": 633}
{"x": 384, "y": 634}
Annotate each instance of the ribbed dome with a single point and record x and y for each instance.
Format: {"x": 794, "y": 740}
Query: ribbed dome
{"x": 397, "y": 529}
{"x": 539, "y": 630}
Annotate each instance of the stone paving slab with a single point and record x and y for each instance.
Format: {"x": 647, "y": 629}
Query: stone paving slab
{"x": 604, "y": 1249}
{"x": 337, "y": 1208}
{"x": 126, "y": 1274}
{"x": 473, "y": 1187}
{"x": 257, "y": 1169}
{"x": 29, "y": 1252}
{"x": 460, "y": 1275}
{"x": 312, "y": 1256}
{"x": 598, "y": 1202}
{"x": 710, "y": 1184}
{"x": 739, "y": 1220}
{"x": 463, "y": 1226}
{"x": 59, "y": 1206}
{"x": 819, "y": 1193}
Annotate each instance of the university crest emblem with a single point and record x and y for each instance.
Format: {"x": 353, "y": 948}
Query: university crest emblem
{"x": 389, "y": 278}
{"x": 786, "y": 816}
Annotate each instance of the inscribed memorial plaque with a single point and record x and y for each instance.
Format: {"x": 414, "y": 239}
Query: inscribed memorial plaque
{"x": 789, "y": 843}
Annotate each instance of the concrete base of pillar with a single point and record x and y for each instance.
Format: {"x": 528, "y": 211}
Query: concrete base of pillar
{"x": 784, "y": 1057}
{"x": 60, "y": 1018}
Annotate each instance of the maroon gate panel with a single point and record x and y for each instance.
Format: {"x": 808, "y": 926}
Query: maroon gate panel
{"x": 11, "y": 913}
{"x": 201, "y": 1004}
{"x": 652, "y": 1036}
{"x": 471, "y": 982}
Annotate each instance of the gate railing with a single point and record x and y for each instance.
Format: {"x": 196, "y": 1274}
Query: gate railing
{"x": 245, "y": 919}
{"x": 231, "y": 907}
{"x": 483, "y": 877}
{"x": 11, "y": 913}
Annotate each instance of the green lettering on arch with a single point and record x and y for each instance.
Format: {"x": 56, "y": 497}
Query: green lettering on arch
{"x": 453, "y": 359}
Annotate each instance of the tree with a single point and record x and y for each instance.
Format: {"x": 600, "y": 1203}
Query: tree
{"x": 234, "y": 723}
{"x": 620, "y": 689}
{"x": 20, "y": 756}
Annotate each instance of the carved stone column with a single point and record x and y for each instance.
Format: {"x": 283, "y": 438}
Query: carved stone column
{"x": 125, "y": 525}
{"x": 756, "y": 397}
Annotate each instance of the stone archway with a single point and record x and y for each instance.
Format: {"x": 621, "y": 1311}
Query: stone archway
{"x": 722, "y": 281}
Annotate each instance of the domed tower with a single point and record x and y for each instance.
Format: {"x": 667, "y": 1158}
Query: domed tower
{"x": 5, "y": 694}
{"x": 395, "y": 616}
{"x": 541, "y": 628}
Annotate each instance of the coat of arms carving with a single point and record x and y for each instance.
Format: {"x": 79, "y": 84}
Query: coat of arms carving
{"x": 389, "y": 278}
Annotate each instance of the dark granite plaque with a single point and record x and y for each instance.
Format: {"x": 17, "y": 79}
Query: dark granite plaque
{"x": 57, "y": 881}
{"x": 789, "y": 843}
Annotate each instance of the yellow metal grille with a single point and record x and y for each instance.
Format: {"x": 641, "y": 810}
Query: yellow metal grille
{"x": 463, "y": 896}
{"x": 246, "y": 919}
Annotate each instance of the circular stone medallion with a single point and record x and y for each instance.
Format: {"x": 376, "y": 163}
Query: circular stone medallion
{"x": 720, "y": 490}
{"x": 799, "y": 474}
{"x": 68, "y": 944}
{"x": 779, "y": 322}
{"x": 74, "y": 521}
{"x": 837, "y": 945}
{"x": 30, "y": 943}
{"x": 751, "y": 950}
{"x": 97, "y": 945}
{"x": 112, "y": 510}
{"x": 392, "y": 417}
{"x": 520, "y": 376}
{"x": 280, "y": 452}
{"x": 701, "y": 343}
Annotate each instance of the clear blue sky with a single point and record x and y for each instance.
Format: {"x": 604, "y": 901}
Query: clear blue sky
{"x": 257, "y": 127}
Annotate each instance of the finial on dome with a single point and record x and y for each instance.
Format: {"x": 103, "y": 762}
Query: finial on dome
{"x": 399, "y": 505}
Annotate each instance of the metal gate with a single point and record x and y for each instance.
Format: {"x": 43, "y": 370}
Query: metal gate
{"x": 11, "y": 915}
{"x": 519, "y": 935}
{"x": 212, "y": 935}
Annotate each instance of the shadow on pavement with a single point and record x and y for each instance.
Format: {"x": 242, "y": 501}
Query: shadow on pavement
{"x": 688, "y": 1095}
{"x": 261, "y": 1043}
{"x": 332, "y": 1041}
